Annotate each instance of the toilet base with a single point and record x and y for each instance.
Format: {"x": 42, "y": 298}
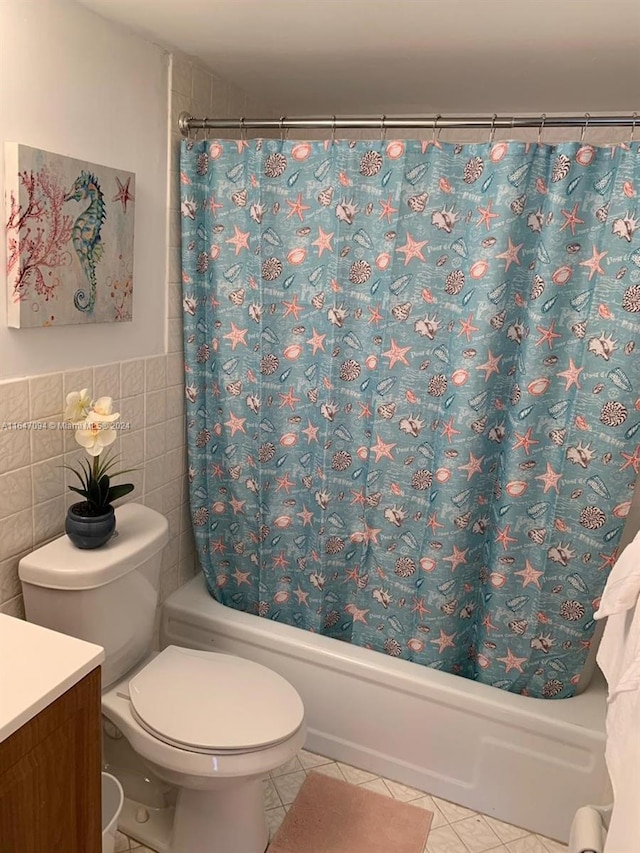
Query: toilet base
{"x": 154, "y": 831}
{"x": 228, "y": 820}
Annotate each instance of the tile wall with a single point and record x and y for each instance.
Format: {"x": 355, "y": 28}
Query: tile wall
{"x": 33, "y": 482}
{"x": 148, "y": 392}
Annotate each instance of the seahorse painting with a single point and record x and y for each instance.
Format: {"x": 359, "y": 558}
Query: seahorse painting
{"x": 86, "y": 235}
{"x": 70, "y": 237}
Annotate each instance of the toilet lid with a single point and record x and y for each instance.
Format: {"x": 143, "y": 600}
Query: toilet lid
{"x": 214, "y": 702}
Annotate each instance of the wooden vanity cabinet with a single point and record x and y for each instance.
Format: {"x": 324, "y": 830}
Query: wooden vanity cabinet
{"x": 50, "y": 784}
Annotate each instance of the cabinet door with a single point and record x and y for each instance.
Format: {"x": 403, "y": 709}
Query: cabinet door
{"x": 50, "y": 798}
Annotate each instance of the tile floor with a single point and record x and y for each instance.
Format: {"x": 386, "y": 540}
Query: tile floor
{"x": 455, "y": 829}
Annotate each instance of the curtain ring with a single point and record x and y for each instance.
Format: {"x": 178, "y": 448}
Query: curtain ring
{"x": 633, "y": 127}
{"x": 435, "y": 139}
{"x": 283, "y": 132}
{"x": 492, "y": 132}
{"x": 383, "y": 128}
{"x": 203, "y": 128}
{"x": 587, "y": 116}
{"x": 243, "y": 129}
{"x": 333, "y": 130}
{"x": 543, "y": 118}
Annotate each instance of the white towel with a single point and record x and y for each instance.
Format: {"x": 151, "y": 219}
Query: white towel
{"x": 619, "y": 659}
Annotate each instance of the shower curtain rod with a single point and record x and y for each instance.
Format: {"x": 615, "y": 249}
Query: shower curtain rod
{"x": 187, "y": 122}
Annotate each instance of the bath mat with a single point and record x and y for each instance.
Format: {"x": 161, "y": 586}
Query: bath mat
{"x": 331, "y": 816}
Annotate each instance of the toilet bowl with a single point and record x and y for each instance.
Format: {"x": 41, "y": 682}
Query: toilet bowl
{"x": 210, "y": 725}
{"x": 214, "y": 726}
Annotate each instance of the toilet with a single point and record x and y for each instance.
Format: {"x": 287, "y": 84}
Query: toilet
{"x": 195, "y": 732}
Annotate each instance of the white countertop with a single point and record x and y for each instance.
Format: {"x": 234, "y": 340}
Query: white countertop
{"x": 36, "y": 667}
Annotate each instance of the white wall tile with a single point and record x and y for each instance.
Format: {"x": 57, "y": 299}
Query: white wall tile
{"x": 48, "y": 479}
{"x": 154, "y": 500}
{"x": 155, "y": 442}
{"x": 155, "y": 407}
{"x": 106, "y": 381}
{"x": 45, "y": 396}
{"x": 16, "y": 533}
{"x": 46, "y": 443}
{"x": 175, "y": 341}
{"x": 175, "y": 463}
{"x": 175, "y": 402}
{"x": 173, "y": 517}
{"x": 172, "y": 495}
{"x": 132, "y": 412}
{"x": 175, "y": 370}
{"x": 9, "y": 581}
{"x": 132, "y": 449}
{"x": 76, "y": 380}
{"x": 153, "y": 474}
{"x": 15, "y": 448}
{"x": 33, "y": 488}
{"x": 14, "y": 401}
{"x": 155, "y": 373}
{"x": 14, "y": 607}
{"x": 176, "y": 433}
{"x": 132, "y": 377}
{"x": 48, "y": 518}
{"x": 175, "y": 301}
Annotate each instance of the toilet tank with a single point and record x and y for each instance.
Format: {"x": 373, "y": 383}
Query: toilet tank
{"x": 106, "y": 595}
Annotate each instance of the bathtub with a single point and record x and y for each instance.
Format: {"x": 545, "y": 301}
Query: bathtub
{"x": 530, "y": 762}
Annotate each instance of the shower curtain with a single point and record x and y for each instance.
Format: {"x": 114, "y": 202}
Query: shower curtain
{"x": 411, "y": 380}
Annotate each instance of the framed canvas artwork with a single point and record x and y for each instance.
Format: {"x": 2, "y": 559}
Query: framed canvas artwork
{"x": 69, "y": 232}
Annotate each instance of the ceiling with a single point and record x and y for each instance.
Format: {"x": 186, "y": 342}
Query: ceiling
{"x": 407, "y": 56}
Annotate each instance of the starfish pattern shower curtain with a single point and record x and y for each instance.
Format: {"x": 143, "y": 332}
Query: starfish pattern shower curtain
{"x": 411, "y": 380}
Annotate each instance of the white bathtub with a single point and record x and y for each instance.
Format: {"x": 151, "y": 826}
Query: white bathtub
{"x": 531, "y": 762}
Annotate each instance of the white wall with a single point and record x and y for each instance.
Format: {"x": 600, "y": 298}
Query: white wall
{"x": 75, "y": 84}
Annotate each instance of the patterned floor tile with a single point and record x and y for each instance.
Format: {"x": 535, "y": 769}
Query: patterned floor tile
{"x": 454, "y": 829}
{"x": 289, "y": 767}
{"x": 330, "y": 769}
{"x": 355, "y": 775}
{"x": 444, "y": 840}
{"x": 378, "y": 787}
{"x": 527, "y": 844}
{"x": 274, "y": 819}
{"x": 452, "y": 811}
{"x": 310, "y": 760}
{"x": 476, "y": 833}
{"x": 426, "y": 802}
{"x": 289, "y": 785}
{"x": 271, "y": 798}
{"x": 402, "y": 792}
{"x": 552, "y": 846}
{"x": 505, "y": 831}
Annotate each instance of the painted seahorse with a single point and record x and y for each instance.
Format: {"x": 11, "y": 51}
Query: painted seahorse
{"x": 86, "y": 234}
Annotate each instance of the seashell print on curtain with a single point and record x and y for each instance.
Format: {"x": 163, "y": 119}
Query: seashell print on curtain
{"x": 412, "y": 392}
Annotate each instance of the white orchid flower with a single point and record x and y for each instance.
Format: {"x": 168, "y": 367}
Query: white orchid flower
{"x": 96, "y": 432}
{"x": 102, "y": 407}
{"x": 77, "y": 406}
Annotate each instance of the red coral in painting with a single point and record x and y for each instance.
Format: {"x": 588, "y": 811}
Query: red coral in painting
{"x": 37, "y": 234}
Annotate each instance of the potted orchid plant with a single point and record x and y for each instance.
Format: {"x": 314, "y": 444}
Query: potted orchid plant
{"x": 91, "y": 522}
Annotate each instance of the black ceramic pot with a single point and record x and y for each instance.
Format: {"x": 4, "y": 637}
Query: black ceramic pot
{"x": 86, "y": 530}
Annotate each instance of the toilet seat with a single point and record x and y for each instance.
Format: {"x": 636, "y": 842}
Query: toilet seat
{"x": 214, "y": 703}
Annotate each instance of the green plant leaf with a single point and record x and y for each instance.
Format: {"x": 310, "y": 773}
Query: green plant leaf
{"x": 79, "y": 491}
{"x": 120, "y": 491}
